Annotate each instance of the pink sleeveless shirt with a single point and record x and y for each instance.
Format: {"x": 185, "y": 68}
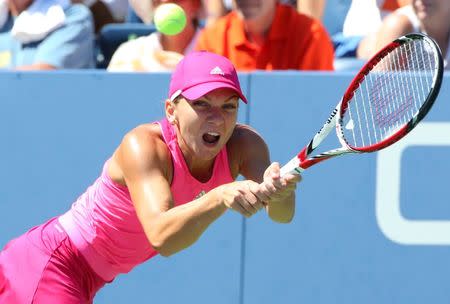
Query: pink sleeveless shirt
{"x": 103, "y": 223}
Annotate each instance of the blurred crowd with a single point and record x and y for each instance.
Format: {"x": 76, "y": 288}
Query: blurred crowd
{"x": 253, "y": 34}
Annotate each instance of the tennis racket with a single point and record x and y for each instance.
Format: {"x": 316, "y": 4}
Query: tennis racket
{"x": 388, "y": 97}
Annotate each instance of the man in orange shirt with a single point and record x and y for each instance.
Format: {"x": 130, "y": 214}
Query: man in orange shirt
{"x": 267, "y": 35}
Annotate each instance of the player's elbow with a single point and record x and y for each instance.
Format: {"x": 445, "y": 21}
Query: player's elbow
{"x": 165, "y": 252}
{"x": 167, "y": 249}
{"x": 166, "y": 244}
{"x": 161, "y": 246}
{"x": 158, "y": 241}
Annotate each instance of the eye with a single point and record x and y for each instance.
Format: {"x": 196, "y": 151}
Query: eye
{"x": 200, "y": 103}
{"x": 230, "y": 106}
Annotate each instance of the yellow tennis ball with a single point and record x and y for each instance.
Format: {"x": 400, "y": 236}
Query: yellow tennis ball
{"x": 169, "y": 19}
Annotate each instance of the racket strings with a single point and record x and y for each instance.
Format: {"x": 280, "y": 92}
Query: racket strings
{"x": 391, "y": 94}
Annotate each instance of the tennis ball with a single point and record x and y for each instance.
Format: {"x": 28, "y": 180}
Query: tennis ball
{"x": 169, "y": 19}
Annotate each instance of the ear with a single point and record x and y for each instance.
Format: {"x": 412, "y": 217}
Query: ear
{"x": 170, "y": 111}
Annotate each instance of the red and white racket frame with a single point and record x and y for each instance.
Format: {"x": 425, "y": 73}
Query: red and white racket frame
{"x": 302, "y": 160}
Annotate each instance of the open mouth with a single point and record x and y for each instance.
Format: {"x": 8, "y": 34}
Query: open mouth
{"x": 211, "y": 138}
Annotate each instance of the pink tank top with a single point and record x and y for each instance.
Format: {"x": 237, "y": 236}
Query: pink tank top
{"x": 103, "y": 224}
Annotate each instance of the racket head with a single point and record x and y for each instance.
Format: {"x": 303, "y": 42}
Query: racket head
{"x": 391, "y": 94}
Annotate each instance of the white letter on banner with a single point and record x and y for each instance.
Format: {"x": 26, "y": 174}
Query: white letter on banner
{"x": 387, "y": 200}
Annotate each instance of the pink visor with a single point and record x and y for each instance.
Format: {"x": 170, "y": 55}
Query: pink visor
{"x": 200, "y": 72}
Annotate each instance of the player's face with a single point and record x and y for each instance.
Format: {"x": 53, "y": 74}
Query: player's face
{"x": 435, "y": 9}
{"x": 254, "y": 9}
{"x": 206, "y": 124}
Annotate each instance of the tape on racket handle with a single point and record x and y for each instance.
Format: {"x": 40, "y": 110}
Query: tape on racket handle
{"x": 293, "y": 166}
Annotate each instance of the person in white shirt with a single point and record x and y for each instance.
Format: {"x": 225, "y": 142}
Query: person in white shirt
{"x": 430, "y": 17}
{"x": 158, "y": 52}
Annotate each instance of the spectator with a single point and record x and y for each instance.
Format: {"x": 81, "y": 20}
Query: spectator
{"x": 268, "y": 35}
{"x": 159, "y": 52}
{"x": 430, "y": 17}
{"x": 361, "y": 23}
{"x": 45, "y": 35}
{"x": 218, "y": 8}
{"x": 352, "y": 23}
{"x": 365, "y": 16}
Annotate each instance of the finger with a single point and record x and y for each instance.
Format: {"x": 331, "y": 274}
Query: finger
{"x": 278, "y": 183}
{"x": 278, "y": 191}
{"x": 254, "y": 197}
{"x": 292, "y": 178}
{"x": 245, "y": 202}
{"x": 286, "y": 181}
{"x": 262, "y": 194}
{"x": 275, "y": 170}
{"x": 272, "y": 170}
{"x": 232, "y": 202}
{"x": 268, "y": 188}
{"x": 255, "y": 189}
{"x": 254, "y": 202}
{"x": 238, "y": 207}
{"x": 251, "y": 201}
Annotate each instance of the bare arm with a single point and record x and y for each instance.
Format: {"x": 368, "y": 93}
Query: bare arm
{"x": 278, "y": 193}
{"x": 281, "y": 192}
{"x": 313, "y": 8}
{"x": 144, "y": 161}
{"x": 393, "y": 26}
{"x": 36, "y": 67}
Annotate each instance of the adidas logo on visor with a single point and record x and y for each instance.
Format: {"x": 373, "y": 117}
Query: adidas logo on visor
{"x": 217, "y": 71}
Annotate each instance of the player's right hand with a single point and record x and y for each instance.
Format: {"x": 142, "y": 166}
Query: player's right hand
{"x": 239, "y": 197}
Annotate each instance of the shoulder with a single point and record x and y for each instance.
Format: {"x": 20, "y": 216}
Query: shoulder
{"x": 307, "y": 27}
{"x": 144, "y": 146}
{"x": 288, "y": 13}
{"x": 145, "y": 136}
{"x": 393, "y": 26}
{"x": 307, "y": 23}
{"x": 220, "y": 25}
{"x": 397, "y": 21}
{"x": 77, "y": 13}
{"x": 244, "y": 133}
{"x": 248, "y": 153}
{"x": 217, "y": 36}
{"x": 245, "y": 142}
{"x": 141, "y": 151}
{"x": 78, "y": 26}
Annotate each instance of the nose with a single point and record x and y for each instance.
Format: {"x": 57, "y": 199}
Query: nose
{"x": 215, "y": 116}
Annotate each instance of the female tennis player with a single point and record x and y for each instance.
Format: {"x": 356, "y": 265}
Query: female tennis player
{"x": 162, "y": 187}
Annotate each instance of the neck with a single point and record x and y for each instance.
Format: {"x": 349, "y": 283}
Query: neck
{"x": 258, "y": 28}
{"x": 202, "y": 173}
{"x": 199, "y": 169}
{"x": 178, "y": 43}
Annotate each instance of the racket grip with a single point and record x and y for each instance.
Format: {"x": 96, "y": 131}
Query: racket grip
{"x": 293, "y": 167}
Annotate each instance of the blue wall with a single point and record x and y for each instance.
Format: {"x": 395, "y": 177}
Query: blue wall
{"x": 368, "y": 229}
